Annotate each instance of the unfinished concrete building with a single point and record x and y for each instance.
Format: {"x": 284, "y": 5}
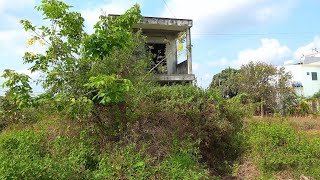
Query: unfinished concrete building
{"x": 162, "y": 34}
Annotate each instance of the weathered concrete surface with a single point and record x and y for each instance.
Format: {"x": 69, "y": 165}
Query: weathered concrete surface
{"x": 182, "y": 68}
{"x": 164, "y": 24}
{"x": 175, "y": 77}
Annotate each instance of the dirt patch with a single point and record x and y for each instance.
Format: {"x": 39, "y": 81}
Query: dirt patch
{"x": 248, "y": 171}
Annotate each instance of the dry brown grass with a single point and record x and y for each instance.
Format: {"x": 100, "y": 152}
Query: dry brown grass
{"x": 310, "y": 125}
{"x": 248, "y": 170}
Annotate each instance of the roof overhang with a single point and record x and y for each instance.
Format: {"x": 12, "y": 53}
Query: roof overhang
{"x": 159, "y": 23}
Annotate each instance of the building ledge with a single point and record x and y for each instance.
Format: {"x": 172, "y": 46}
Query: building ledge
{"x": 160, "y": 23}
{"x": 175, "y": 77}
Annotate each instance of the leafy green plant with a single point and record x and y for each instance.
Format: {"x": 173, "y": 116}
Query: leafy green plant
{"x": 110, "y": 89}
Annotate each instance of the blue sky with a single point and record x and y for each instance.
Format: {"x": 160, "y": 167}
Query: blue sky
{"x": 225, "y": 33}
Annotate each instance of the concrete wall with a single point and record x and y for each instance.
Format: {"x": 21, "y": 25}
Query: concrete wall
{"x": 182, "y": 68}
{"x": 310, "y": 86}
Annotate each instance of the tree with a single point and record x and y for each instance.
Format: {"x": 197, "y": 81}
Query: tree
{"x": 264, "y": 83}
{"x": 225, "y": 82}
{"x": 79, "y": 70}
{"x": 74, "y": 59}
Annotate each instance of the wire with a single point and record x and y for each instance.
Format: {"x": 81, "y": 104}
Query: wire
{"x": 165, "y": 3}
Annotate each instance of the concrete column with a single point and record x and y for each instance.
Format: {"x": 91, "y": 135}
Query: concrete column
{"x": 189, "y": 52}
{"x": 171, "y": 54}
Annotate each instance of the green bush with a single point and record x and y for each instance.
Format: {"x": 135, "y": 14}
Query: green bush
{"x": 25, "y": 155}
{"x": 277, "y": 147}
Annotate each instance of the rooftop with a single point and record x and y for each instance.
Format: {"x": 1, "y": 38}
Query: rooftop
{"x": 159, "y": 23}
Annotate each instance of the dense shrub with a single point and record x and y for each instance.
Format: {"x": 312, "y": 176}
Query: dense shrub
{"x": 276, "y": 147}
{"x": 160, "y": 113}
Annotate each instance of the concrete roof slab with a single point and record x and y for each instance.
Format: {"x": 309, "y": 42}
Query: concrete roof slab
{"x": 159, "y": 23}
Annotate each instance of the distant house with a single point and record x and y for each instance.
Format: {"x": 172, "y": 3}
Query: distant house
{"x": 306, "y": 76}
{"x": 162, "y": 34}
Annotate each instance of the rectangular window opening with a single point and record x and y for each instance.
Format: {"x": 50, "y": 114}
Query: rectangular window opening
{"x": 314, "y": 76}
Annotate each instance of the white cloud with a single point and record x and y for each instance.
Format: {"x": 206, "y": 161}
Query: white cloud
{"x": 91, "y": 15}
{"x": 216, "y": 16}
{"x": 308, "y": 48}
{"x": 13, "y": 41}
{"x": 271, "y": 51}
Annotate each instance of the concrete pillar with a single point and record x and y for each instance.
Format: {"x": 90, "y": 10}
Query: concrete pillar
{"x": 171, "y": 54}
{"x": 189, "y": 52}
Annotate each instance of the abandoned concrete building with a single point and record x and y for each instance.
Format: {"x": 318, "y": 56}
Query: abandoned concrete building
{"x": 162, "y": 34}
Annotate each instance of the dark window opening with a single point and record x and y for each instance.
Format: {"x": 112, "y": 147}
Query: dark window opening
{"x": 314, "y": 76}
{"x": 308, "y": 73}
{"x": 158, "y": 57}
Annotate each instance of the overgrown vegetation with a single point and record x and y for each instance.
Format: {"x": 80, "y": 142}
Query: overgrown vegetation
{"x": 100, "y": 118}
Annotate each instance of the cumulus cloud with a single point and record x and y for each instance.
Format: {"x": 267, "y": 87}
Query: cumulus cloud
{"x": 211, "y": 16}
{"x": 91, "y": 15}
{"x": 13, "y": 40}
{"x": 308, "y": 48}
{"x": 271, "y": 51}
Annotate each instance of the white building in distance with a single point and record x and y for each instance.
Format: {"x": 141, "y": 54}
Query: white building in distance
{"x": 305, "y": 76}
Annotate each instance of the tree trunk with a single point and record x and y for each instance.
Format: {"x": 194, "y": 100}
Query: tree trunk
{"x": 261, "y": 108}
